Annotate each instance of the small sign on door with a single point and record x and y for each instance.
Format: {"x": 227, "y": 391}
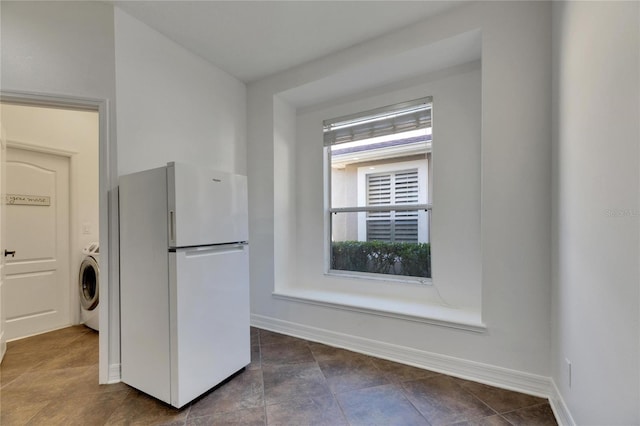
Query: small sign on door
{"x": 27, "y": 200}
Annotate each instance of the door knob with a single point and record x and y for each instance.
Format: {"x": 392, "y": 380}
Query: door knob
{"x": 9, "y": 253}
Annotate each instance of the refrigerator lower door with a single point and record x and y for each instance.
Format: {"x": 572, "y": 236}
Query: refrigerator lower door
{"x": 209, "y": 317}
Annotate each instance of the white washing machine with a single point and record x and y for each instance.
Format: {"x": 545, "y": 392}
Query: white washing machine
{"x": 89, "y": 286}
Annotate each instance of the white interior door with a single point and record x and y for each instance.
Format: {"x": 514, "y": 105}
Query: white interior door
{"x": 37, "y": 281}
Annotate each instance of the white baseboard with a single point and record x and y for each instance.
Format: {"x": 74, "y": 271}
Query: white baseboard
{"x": 114, "y": 374}
{"x": 518, "y": 381}
{"x": 560, "y": 409}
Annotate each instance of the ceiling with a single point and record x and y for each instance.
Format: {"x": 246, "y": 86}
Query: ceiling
{"x": 254, "y": 39}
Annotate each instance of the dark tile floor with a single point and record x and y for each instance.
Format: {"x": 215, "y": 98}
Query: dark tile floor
{"x": 52, "y": 379}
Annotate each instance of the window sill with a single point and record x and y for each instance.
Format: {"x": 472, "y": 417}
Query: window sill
{"x": 425, "y": 313}
{"x": 402, "y": 279}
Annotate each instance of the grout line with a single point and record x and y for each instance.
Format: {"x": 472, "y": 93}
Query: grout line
{"x": 333, "y": 394}
{"x": 264, "y": 398}
{"x": 479, "y": 399}
{"x": 528, "y": 406}
{"x": 406, "y": 396}
{"x": 506, "y": 420}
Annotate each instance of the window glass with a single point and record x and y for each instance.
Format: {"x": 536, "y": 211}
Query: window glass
{"x": 379, "y": 199}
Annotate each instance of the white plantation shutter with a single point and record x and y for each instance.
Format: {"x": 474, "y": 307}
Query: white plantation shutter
{"x": 379, "y": 190}
{"x": 406, "y": 187}
{"x": 405, "y": 223}
{"x": 399, "y": 187}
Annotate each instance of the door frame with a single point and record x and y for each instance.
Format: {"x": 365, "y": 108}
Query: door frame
{"x": 3, "y": 180}
{"x": 108, "y": 372}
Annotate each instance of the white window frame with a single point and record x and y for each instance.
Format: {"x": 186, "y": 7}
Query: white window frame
{"x": 404, "y": 116}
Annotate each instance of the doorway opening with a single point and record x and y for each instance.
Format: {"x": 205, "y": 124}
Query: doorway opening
{"x": 51, "y": 216}
{"x": 91, "y": 170}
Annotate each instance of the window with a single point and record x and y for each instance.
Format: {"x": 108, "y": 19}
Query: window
{"x": 379, "y": 204}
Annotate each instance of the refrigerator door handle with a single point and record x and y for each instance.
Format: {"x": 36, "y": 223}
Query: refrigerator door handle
{"x": 213, "y": 250}
{"x": 172, "y": 227}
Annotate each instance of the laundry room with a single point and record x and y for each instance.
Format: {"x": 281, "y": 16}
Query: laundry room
{"x": 52, "y": 219}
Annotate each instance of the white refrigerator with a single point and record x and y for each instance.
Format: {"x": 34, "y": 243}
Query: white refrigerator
{"x": 184, "y": 280}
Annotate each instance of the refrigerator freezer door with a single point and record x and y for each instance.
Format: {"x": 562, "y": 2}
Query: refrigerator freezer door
{"x": 209, "y": 312}
{"x": 205, "y": 206}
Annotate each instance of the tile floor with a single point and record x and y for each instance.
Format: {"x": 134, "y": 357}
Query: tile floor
{"x": 51, "y": 379}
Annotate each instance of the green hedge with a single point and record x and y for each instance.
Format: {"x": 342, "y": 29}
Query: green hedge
{"x": 412, "y": 259}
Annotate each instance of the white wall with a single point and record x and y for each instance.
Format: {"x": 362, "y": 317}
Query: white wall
{"x": 596, "y": 212}
{"x": 173, "y": 105}
{"x": 58, "y": 48}
{"x": 75, "y": 132}
{"x": 515, "y": 192}
{"x": 285, "y": 169}
{"x": 67, "y": 49}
